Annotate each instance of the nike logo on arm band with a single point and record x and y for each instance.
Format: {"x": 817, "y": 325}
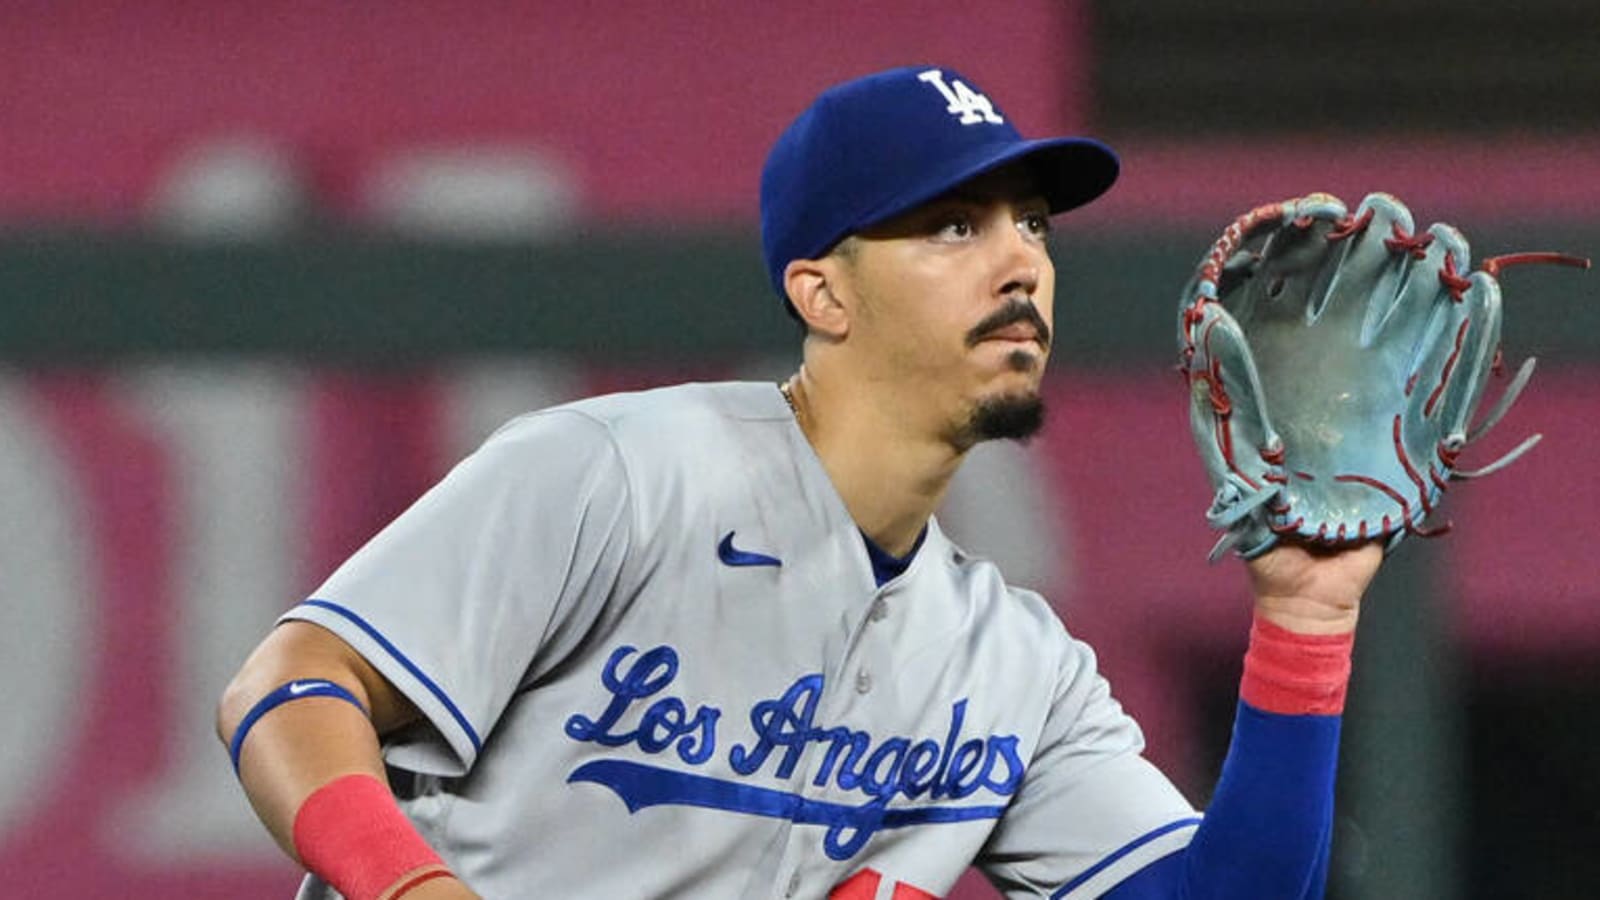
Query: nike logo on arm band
{"x": 294, "y": 690}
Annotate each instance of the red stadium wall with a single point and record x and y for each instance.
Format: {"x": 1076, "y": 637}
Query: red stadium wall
{"x": 664, "y": 118}
{"x": 657, "y": 115}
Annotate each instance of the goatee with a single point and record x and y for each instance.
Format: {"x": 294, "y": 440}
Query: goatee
{"x": 1016, "y": 417}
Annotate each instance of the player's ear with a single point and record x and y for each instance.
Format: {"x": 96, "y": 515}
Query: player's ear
{"x": 810, "y": 284}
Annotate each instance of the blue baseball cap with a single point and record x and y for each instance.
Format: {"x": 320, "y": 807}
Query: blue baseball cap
{"x": 870, "y": 149}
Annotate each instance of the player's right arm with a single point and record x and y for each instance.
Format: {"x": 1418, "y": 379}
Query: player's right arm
{"x": 512, "y": 554}
{"x": 315, "y": 746}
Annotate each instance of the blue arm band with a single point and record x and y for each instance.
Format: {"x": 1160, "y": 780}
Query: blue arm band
{"x": 1267, "y": 829}
{"x": 294, "y": 690}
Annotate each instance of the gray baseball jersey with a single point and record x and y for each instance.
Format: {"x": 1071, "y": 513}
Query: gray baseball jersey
{"x": 654, "y": 662}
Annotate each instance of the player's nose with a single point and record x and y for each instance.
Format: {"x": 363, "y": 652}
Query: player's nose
{"x": 1023, "y": 280}
{"x": 1020, "y": 254}
{"x": 1018, "y": 267}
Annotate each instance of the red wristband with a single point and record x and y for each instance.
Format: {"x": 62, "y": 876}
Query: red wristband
{"x": 1296, "y": 674}
{"x": 351, "y": 834}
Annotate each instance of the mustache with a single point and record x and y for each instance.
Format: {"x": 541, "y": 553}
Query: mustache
{"x": 1013, "y": 312}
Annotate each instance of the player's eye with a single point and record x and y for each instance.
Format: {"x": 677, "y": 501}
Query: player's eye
{"x": 954, "y": 227}
{"x": 1035, "y": 223}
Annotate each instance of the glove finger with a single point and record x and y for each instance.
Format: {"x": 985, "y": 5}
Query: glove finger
{"x": 1209, "y": 281}
{"x": 1466, "y": 391}
{"x": 1426, "y": 316}
{"x": 1421, "y": 292}
{"x": 1440, "y": 341}
{"x": 1232, "y": 368}
{"x": 1358, "y": 266}
{"x": 1227, "y": 270}
{"x": 1231, "y": 426}
{"x": 1385, "y": 270}
{"x": 1443, "y": 344}
{"x": 1297, "y": 265}
{"x": 1463, "y": 387}
{"x": 1319, "y": 205}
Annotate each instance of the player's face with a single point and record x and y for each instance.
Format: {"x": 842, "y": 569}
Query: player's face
{"x": 957, "y": 298}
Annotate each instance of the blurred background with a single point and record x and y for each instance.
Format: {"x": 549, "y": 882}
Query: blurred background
{"x": 268, "y": 269}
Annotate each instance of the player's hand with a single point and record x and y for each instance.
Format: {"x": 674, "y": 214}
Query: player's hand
{"x": 1313, "y": 590}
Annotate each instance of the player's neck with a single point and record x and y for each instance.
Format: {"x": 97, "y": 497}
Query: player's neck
{"x": 890, "y": 473}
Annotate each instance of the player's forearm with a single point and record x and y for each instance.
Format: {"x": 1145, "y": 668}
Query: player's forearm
{"x": 283, "y": 750}
{"x": 295, "y": 749}
{"x": 1266, "y": 831}
{"x": 1267, "y": 828}
{"x": 296, "y": 722}
{"x": 1271, "y": 816}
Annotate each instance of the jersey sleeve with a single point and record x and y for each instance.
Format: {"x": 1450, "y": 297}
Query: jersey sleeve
{"x": 1091, "y": 810}
{"x": 485, "y": 580}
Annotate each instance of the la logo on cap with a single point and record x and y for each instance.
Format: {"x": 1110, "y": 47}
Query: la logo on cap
{"x": 970, "y": 106}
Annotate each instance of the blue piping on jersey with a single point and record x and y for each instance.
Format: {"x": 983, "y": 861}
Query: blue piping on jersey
{"x": 410, "y": 666}
{"x": 1120, "y": 852}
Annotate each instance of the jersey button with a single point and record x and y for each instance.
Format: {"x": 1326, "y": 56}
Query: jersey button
{"x": 863, "y": 682}
{"x": 794, "y": 885}
{"x": 880, "y": 611}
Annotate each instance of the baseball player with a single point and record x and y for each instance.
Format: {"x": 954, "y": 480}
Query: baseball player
{"x": 709, "y": 640}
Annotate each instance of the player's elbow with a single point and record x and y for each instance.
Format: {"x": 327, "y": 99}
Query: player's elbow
{"x": 295, "y": 651}
{"x": 290, "y": 651}
{"x": 231, "y": 707}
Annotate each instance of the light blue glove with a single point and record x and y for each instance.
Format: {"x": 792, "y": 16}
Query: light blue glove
{"x": 1335, "y": 363}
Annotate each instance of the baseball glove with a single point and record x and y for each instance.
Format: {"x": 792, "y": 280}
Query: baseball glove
{"x": 1335, "y": 365}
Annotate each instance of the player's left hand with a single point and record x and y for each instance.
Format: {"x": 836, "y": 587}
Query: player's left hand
{"x": 1313, "y": 590}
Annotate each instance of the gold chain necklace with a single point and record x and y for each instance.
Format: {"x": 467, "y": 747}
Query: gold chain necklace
{"x": 788, "y": 397}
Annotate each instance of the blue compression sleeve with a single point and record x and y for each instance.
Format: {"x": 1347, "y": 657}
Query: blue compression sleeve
{"x": 1267, "y": 829}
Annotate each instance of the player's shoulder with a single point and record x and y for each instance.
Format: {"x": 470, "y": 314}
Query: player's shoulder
{"x": 697, "y": 401}
{"x": 1014, "y": 616}
{"x": 654, "y": 418}
{"x": 981, "y": 580}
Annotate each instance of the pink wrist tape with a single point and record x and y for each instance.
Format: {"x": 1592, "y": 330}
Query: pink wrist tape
{"x": 1296, "y": 674}
{"x": 351, "y": 833}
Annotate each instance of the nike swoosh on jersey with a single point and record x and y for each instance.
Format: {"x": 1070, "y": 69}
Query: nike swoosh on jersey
{"x": 300, "y": 687}
{"x": 733, "y": 556}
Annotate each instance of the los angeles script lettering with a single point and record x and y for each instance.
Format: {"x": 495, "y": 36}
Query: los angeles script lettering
{"x": 784, "y": 727}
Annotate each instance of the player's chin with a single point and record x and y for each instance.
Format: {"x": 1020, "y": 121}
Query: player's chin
{"x": 1013, "y": 413}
